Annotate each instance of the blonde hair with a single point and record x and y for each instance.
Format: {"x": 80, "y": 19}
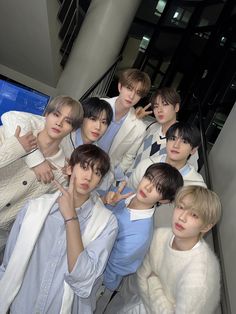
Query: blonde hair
{"x": 205, "y": 203}
{"x": 77, "y": 112}
{"x": 131, "y": 76}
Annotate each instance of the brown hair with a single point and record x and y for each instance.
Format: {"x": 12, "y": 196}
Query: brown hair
{"x": 167, "y": 94}
{"x": 77, "y": 112}
{"x": 91, "y": 155}
{"x": 131, "y": 76}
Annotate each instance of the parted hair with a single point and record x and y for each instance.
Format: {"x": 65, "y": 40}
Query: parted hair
{"x": 204, "y": 202}
{"x": 166, "y": 178}
{"x": 188, "y": 132}
{"x": 77, "y": 112}
{"x": 93, "y": 107}
{"x": 168, "y": 95}
{"x": 132, "y": 76}
{"x": 90, "y": 155}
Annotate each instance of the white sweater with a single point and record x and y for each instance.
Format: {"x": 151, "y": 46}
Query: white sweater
{"x": 171, "y": 281}
{"x": 180, "y": 282}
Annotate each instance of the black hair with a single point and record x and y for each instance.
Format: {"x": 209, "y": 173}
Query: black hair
{"x": 91, "y": 155}
{"x": 166, "y": 178}
{"x": 93, "y": 106}
{"x": 188, "y": 132}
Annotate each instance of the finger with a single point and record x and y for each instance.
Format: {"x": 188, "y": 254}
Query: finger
{"x": 147, "y": 106}
{"x": 59, "y": 186}
{"x": 121, "y": 186}
{"x": 124, "y": 196}
{"x": 71, "y": 183}
{"x": 17, "y": 131}
{"x": 147, "y": 113}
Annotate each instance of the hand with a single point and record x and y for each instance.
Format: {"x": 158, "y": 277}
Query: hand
{"x": 141, "y": 112}
{"x": 66, "y": 200}
{"x": 112, "y": 198}
{"x": 44, "y": 172}
{"x": 28, "y": 141}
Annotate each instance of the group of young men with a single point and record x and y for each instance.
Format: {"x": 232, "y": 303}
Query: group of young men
{"x": 90, "y": 244}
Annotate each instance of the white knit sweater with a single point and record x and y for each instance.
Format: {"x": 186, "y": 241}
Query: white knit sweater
{"x": 180, "y": 282}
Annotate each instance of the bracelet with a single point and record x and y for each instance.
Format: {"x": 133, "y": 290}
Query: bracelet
{"x": 70, "y": 219}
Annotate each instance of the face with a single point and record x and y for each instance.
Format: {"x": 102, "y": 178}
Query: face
{"x": 93, "y": 128}
{"x": 59, "y": 123}
{"x": 86, "y": 179}
{"x": 130, "y": 95}
{"x": 186, "y": 224}
{"x": 178, "y": 149}
{"x": 164, "y": 112}
{"x": 147, "y": 193}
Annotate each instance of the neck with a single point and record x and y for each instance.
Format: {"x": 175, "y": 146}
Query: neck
{"x": 178, "y": 164}
{"x": 120, "y": 111}
{"x": 166, "y": 126}
{"x": 79, "y": 199}
{"x": 136, "y": 204}
{"x": 184, "y": 244}
{"x": 47, "y": 146}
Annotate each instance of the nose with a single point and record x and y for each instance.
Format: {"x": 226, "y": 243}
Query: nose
{"x": 132, "y": 94}
{"x": 88, "y": 174}
{"x": 149, "y": 186}
{"x": 98, "y": 124}
{"x": 59, "y": 121}
{"x": 183, "y": 216}
{"x": 177, "y": 142}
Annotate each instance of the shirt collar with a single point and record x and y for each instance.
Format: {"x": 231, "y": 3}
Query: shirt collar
{"x": 139, "y": 214}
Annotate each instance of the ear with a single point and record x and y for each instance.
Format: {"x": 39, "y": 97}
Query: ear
{"x": 206, "y": 228}
{"x": 164, "y": 201}
{"x": 193, "y": 151}
{"x": 119, "y": 87}
{"x": 177, "y": 107}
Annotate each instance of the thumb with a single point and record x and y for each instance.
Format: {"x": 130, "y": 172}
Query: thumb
{"x": 17, "y": 131}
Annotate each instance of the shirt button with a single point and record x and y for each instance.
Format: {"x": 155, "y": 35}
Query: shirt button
{"x": 24, "y": 182}
{"x": 8, "y": 204}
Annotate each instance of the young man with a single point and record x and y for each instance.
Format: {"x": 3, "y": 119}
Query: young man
{"x": 18, "y": 182}
{"x": 97, "y": 117}
{"x": 182, "y": 141}
{"x": 135, "y": 219}
{"x": 125, "y": 133}
{"x": 60, "y": 243}
{"x": 180, "y": 274}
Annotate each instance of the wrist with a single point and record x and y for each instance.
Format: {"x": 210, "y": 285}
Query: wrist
{"x": 73, "y": 218}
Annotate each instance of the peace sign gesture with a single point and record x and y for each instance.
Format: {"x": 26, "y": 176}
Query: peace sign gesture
{"x": 66, "y": 200}
{"x": 111, "y": 198}
{"x": 142, "y": 112}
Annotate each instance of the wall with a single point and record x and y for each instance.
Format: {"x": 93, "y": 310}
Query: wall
{"x": 223, "y": 170}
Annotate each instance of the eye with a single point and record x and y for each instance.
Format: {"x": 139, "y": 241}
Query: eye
{"x": 93, "y": 118}
{"x": 84, "y": 166}
{"x": 98, "y": 173}
{"x": 130, "y": 87}
{"x": 69, "y": 121}
{"x": 172, "y": 138}
{"x": 104, "y": 122}
{"x": 185, "y": 141}
{"x": 56, "y": 113}
{"x": 139, "y": 93}
{"x": 194, "y": 215}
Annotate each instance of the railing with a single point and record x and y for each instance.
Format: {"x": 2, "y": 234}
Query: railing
{"x": 225, "y": 305}
{"x": 101, "y": 86}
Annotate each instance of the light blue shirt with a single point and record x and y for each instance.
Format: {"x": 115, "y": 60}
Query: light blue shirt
{"x": 131, "y": 245}
{"x": 106, "y": 140}
{"x": 42, "y": 287}
{"x": 78, "y": 138}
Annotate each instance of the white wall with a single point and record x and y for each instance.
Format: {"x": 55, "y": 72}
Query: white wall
{"x": 28, "y": 39}
{"x": 222, "y": 163}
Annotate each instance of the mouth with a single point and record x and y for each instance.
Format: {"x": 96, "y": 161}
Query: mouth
{"x": 95, "y": 134}
{"x": 179, "y": 227}
{"x": 55, "y": 130}
{"x": 174, "y": 152}
{"x": 161, "y": 117}
{"x": 142, "y": 194}
{"x": 84, "y": 186}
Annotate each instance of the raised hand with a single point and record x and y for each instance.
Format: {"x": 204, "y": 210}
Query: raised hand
{"x": 112, "y": 198}
{"x": 44, "y": 172}
{"x": 28, "y": 141}
{"x": 142, "y": 112}
{"x": 66, "y": 200}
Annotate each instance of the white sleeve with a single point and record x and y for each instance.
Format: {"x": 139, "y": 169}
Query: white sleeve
{"x": 27, "y": 122}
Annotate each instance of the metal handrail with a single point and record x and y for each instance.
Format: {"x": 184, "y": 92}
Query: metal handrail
{"x": 100, "y": 80}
